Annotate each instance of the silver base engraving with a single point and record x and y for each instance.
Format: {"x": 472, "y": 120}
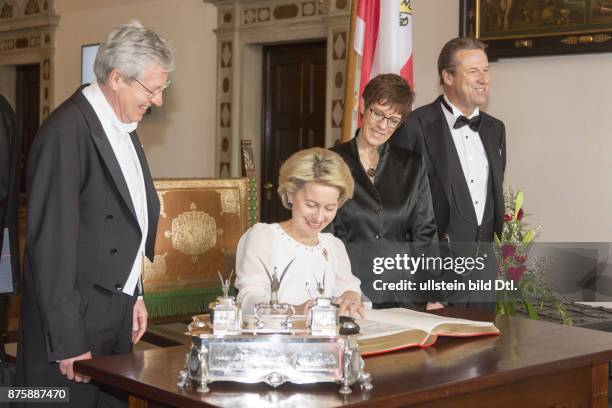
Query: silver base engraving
{"x": 273, "y": 359}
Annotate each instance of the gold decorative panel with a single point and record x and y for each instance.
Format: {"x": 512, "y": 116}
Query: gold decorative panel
{"x": 193, "y": 232}
{"x": 198, "y": 231}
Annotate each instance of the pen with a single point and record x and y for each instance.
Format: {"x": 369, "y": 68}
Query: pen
{"x": 311, "y": 292}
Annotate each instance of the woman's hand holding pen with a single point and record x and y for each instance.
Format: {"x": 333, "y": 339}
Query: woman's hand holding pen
{"x": 350, "y": 304}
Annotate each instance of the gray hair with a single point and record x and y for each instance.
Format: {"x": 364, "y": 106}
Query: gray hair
{"x": 447, "y": 60}
{"x": 132, "y": 48}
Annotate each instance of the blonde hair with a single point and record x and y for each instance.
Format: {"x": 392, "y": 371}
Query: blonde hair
{"x": 319, "y": 166}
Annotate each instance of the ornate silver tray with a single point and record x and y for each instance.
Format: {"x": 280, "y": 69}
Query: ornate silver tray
{"x": 274, "y": 346}
{"x": 255, "y": 356}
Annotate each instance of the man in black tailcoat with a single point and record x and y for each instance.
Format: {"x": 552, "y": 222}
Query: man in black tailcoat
{"x": 92, "y": 217}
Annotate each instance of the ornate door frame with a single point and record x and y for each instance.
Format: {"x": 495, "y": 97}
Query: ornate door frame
{"x": 27, "y": 36}
{"x": 244, "y": 27}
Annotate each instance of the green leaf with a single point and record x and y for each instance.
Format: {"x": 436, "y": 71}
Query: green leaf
{"x": 497, "y": 241}
{"x": 520, "y": 197}
{"x": 530, "y": 310}
{"x": 528, "y": 237}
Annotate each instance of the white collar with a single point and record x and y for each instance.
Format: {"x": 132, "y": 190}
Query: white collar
{"x": 100, "y": 100}
{"x": 456, "y": 112}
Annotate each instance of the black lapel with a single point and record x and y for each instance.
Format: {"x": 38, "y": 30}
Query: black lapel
{"x": 148, "y": 180}
{"x": 437, "y": 136}
{"x": 488, "y": 139}
{"x": 104, "y": 148}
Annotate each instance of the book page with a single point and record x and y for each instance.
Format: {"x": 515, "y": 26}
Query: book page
{"x": 399, "y": 319}
{"x": 372, "y": 328}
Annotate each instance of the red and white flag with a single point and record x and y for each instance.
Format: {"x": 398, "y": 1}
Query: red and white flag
{"x": 383, "y": 38}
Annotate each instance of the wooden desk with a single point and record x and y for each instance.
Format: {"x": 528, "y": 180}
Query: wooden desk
{"x": 532, "y": 364}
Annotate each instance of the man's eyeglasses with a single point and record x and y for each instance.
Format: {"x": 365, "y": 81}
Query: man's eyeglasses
{"x": 378, "y": 116}
{"x": 156, "y": 92}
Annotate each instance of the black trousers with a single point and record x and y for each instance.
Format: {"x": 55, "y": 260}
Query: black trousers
{"x": 108, "y": 324}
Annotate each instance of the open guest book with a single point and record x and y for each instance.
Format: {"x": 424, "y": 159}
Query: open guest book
{"x": 387, "y": 330}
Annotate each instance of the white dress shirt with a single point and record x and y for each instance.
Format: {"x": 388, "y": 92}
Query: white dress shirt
{"x": 472, "y": 156}
{"x": 118, "y": 134}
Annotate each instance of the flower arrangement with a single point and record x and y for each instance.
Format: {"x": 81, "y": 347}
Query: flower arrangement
{"x": 513, "y": 262}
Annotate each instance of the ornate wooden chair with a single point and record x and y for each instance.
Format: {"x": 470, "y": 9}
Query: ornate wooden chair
{"x": 201, "y": 221}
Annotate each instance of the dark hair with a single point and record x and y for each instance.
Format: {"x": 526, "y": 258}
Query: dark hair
{"x": 447, "y": 60}
{"x": 389, "y": 90}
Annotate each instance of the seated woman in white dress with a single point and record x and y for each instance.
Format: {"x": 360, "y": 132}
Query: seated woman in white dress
{"x": 313, "y": 184}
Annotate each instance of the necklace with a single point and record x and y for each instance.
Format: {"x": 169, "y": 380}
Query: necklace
{"x": 370, "y": 171}
{"x": 364, "y": 153}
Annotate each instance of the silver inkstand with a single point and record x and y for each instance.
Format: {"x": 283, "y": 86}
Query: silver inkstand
{"x": 225, "y": 313}
{"x": 274, "y": 346}
{"x": 323, "y": 318}
{"x": 273, "y": 316}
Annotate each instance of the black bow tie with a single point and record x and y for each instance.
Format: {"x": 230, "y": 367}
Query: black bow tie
{"x": 461, "y": 121}
{"x": 473, "y": 123}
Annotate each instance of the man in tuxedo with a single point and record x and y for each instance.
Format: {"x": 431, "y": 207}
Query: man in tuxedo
{"x": 9, "y": 205}
{"x": 92, "y": 216}
{"x": 465, "y": 154}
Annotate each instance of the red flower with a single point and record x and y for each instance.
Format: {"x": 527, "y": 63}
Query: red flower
{"x": 507, "y": 218}
{"x": 521, "y": 258}
{"x": 519, "y": 216}
{"x": 516, "y": 273}
{"x": 507, "y": 250}
{"x": 325, "y": 254}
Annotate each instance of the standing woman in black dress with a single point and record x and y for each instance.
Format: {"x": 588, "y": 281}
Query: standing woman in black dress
{"x": 391, "y": 205}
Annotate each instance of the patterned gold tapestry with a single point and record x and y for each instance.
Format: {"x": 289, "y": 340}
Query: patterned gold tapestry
{"x": 200, "y": 223}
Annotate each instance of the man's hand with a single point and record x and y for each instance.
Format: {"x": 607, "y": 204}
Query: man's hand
{"x": 139, "y": 320}
{"x": 350, "y": 304}
{"x": 66, "y": 369}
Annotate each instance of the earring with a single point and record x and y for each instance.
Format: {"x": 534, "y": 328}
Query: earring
{"x": 290, "y": 204}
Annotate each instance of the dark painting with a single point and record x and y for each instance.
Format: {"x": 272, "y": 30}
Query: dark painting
{"x": 515, "y": 28}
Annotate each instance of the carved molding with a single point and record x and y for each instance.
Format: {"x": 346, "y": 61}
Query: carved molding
{"x": 31, "y": 39}
{"x": 22, "y": 14}
{"x": 14, "y": 9}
